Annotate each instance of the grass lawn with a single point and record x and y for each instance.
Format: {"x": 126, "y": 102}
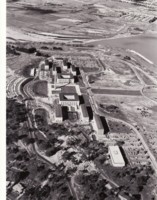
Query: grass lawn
{"x": 40, "y": 88}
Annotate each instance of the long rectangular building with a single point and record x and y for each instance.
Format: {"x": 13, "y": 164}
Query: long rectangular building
{"x": 84, "y": 113}
{"x": 58, "y": 114}
{"x": 69, "y": 99}
{"x": 116, "y": 156}
{"x": 97, "y": 124}
{"x": 65, "y": 78}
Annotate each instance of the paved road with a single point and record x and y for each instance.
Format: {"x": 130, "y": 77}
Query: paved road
{"x": 114, "y": 91}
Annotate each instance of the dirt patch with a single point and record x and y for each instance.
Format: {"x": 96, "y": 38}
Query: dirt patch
{"x": 151, "y": 92}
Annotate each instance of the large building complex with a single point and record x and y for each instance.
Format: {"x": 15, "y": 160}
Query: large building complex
{"x": 68, "y": 94}
{"x": 116, "y": 156}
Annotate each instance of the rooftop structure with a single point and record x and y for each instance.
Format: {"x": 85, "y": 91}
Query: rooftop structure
{"x": 18, "y": 188}
{"x": 58, "y": 114}
{"x": 69, "y": 96}
{"x": 97, "y": 124}
{"x": 68, "y": 89}
{"x": 46, "y": 68}
{"x": 65, "y": 78}
{"x": 44, "y": 75}
{"x": 32, "y": 72}
{"x": 116, "y": 156}
{"x": 42, "y": 66}
{"x": 84, "y": 113}
{"x": 73, "y": 70}
{"x": 65, "y": 64}
{"x": 70, "y": 99}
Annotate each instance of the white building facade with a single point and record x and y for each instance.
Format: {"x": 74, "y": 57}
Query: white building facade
{"x": 116, "y": 156}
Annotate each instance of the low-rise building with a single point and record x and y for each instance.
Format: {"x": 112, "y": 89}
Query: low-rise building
{"x": 84, "y": 113}
{"x": 65, "y": 78}
{"x": 46, "y": 68}
{"x": 33, "y": 72}
{"x": 65, "y": 64}
{"x": 116, "y": 156}
{"x": 97, "y": 125}
{"x": 18, "y": 188}
{"x": 54, "y": 70}
{"x": 70, "y": 99}
{"x": 58, "y": 114}
{"x": 73, "y": 70}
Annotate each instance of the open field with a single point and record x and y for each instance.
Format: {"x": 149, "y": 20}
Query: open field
{"x": 82, "y": 20}
{"x": 113, "y": 79}
{"x": 151, "y": 92}
{"x": 150, "y": 69}
{"x": 145, "y": 78}
{"x": 117, "y": 74}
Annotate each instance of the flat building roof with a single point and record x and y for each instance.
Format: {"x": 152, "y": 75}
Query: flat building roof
{"x": 84, "y": 110}
{"x": 58, "y": 111}
{"x": 116, "y": 155}
{"x": 68, "y": 97}
{"x": 68, "y": 89}
{"x": 98, "y": 121}
{"x": 64, "y": 76}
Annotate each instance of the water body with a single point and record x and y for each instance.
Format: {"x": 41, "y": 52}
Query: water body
{"x": 145, "y": 44}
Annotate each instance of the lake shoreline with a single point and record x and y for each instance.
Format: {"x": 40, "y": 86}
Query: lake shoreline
{"x": 144, "y": 44}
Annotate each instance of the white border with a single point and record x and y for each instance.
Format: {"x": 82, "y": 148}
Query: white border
{"x": 2, "y": 99}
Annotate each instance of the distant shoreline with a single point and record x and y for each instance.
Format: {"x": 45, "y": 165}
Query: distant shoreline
{"x": 145, "y": 45}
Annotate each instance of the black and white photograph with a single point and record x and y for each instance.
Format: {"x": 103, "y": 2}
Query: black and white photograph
{"x": 81, "y": 100}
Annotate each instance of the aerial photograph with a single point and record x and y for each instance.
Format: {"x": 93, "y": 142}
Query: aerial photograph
{"x": 81, "y": 100}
